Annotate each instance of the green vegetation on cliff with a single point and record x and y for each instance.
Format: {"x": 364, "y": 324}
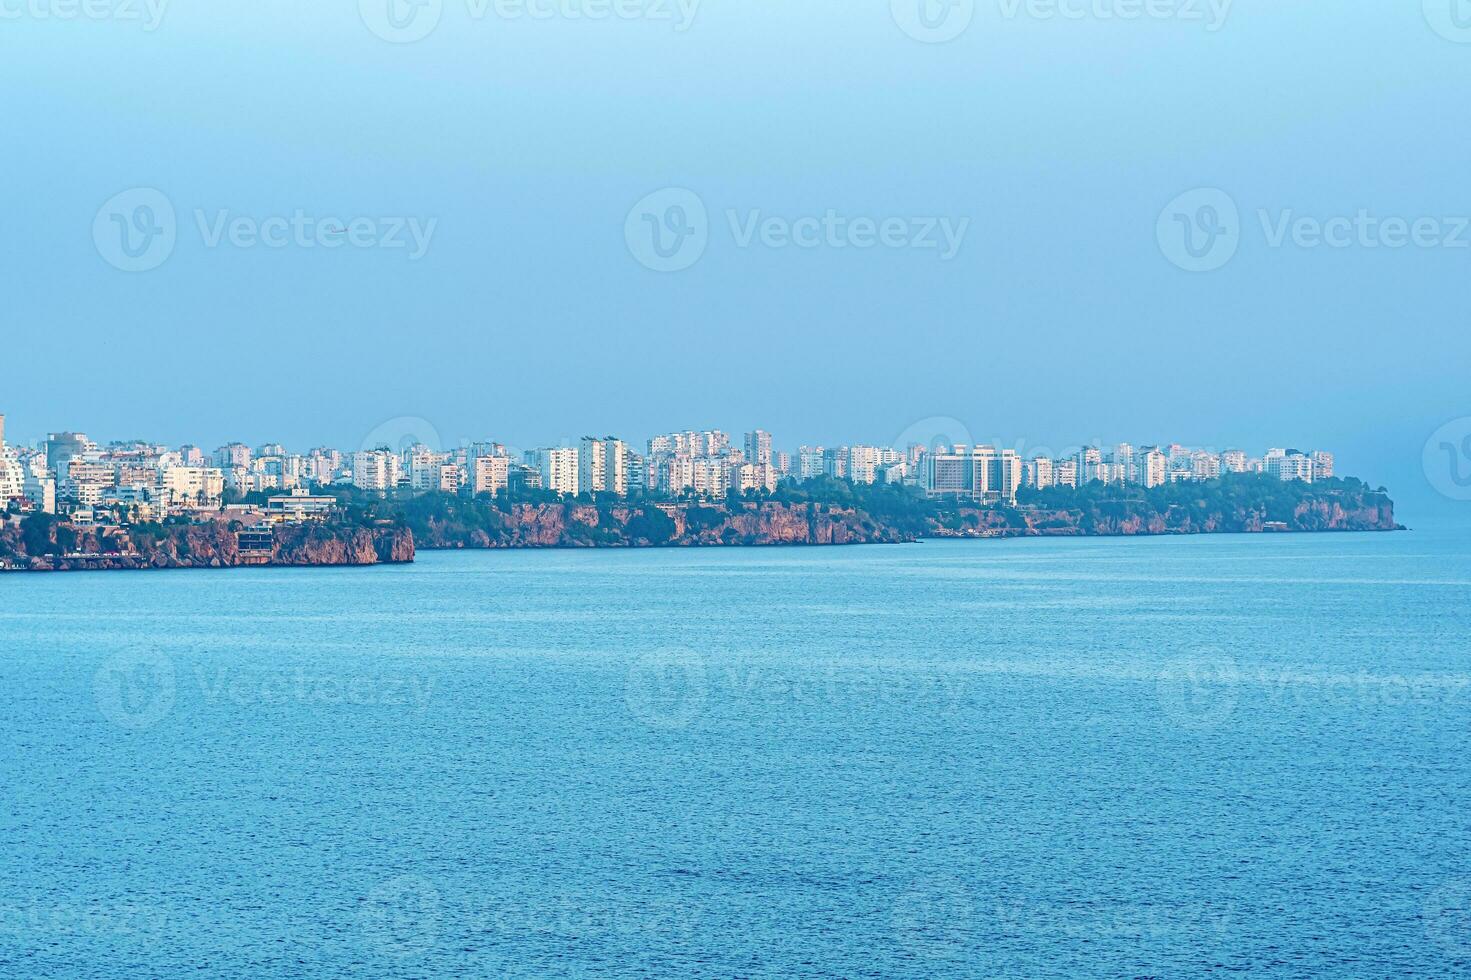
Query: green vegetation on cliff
{"x": 373, "y": 528}
{"x": 827, "y": 510}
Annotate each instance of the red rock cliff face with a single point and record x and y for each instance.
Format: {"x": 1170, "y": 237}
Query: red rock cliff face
{"x": 315, "y": 544}
{"x": 667, "y": 525}
{"x": 1322, "y": 515}
{"x": 563, "y": 525}
{"x": 209, "y": 545}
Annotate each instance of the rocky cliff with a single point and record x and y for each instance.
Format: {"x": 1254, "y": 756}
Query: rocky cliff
{"x": 647, "y": 525}
{"x": 388, "y": 531}
{"x": 1128, "y": 519}
{"x": 57, "y": 546}
{"x": 774, "y": 523}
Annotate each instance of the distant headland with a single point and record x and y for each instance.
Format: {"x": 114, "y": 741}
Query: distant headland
{"x": 352, "y": 527}
{"x": 68, "y": 503}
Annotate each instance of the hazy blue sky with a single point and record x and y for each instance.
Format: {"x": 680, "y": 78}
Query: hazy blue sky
{"x": 527, "y": 140}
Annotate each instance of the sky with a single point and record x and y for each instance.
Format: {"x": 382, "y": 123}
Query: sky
{"x": 1038, "y": 223}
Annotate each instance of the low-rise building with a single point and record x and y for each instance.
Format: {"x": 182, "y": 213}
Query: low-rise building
{"x": 194, "y": 486}
{"x": 299, "y": 506}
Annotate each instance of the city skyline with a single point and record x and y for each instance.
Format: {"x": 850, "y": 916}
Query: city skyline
{"x": 403, "y": 431}
{"x": 1058, "y": 317}
{"x": 73, "y": 474}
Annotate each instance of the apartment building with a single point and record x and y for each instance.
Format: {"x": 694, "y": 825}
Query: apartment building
{"x": 558, "y": 467}
{"x": 602, "y": 466}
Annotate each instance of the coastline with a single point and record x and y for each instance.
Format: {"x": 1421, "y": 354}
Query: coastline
{"x": 922, "y": 539}
{"x": 136, "y": 562}
{"x": 366, "y": 531}
{"x": 216, "y": 544}
{"x": 144, "y": 563}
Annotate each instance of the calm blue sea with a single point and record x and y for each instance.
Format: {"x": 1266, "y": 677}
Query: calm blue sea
{"x": 1115, "y": 758}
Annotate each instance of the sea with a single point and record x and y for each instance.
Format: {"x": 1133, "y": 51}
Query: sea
{"x": 1158, "y": 757}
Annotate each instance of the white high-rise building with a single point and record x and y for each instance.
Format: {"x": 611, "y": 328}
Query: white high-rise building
{"x": 12, "y": 476}
{"x": 711, "y": 477}
{"x": 863, "y": 463}
{"x": 40, "y": 489}
{"x": 1040, "y": 473}
{"x": 375, "y": 469}
{"x": 558, "y": 468}
{"x": 835, "y": 462}
{"x": 233, "y": 455}
{"x": 423, "y": 466}
{"x": 674, "y": 474}
{"x": 708, "y": 442}
{"x": 1008, "y": 474}
{"x": 636, "y": 471}
{"x": 1291, "y": 465}
{"x": 601, "y": 466}
{"x": 809, "y": 462}
{"x": 1153, "y": 467}
{"x": 758, "y": 447}
{"x": 1123, "y": 459}
{"x": 492, "y": 474}
{"x": 1205, "y": 466}
{"x": 983, "y": 472}
{"x": 1090, "y": 466}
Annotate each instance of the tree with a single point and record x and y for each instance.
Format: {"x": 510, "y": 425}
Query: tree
{"x": 38, "y": 535}
{"x": 652, "y": 525}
